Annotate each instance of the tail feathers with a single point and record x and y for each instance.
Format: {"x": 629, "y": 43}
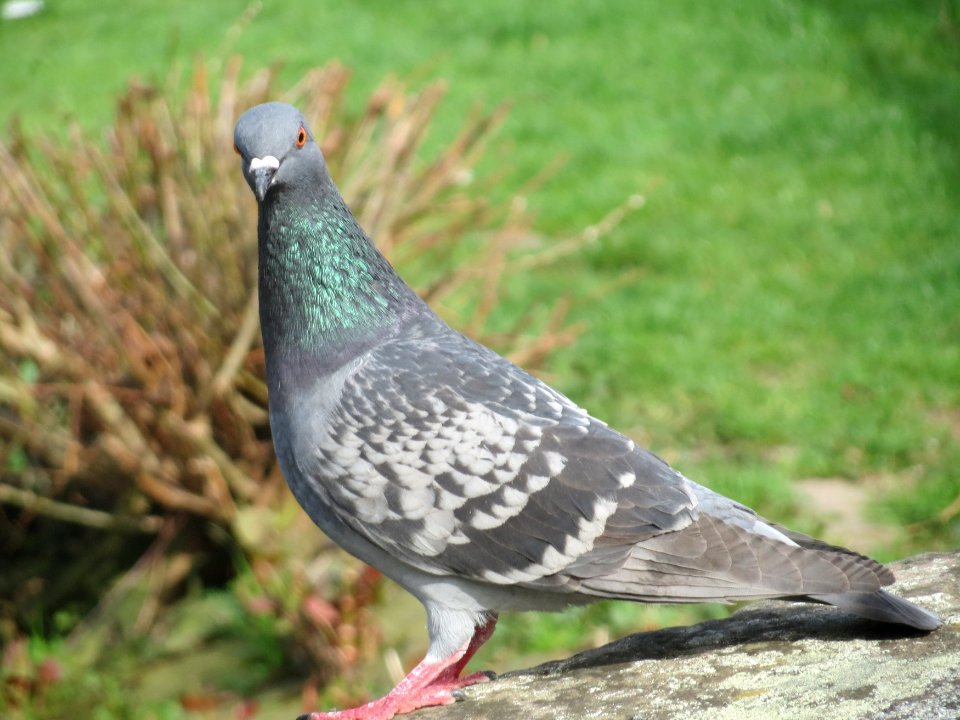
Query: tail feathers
{"x": 882, "y": 606}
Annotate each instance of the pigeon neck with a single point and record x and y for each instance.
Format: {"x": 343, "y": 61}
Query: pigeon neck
{"x": 325, "y": 290}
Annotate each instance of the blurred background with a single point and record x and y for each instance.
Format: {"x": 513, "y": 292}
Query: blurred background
{"x": 729, "y": 229}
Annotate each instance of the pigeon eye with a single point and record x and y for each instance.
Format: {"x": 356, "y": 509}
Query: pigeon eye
{"x": 301, "y": 137}
{"x": 236, "y": 149}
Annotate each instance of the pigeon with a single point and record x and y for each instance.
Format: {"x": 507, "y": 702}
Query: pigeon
{"x": 472, "y": 484}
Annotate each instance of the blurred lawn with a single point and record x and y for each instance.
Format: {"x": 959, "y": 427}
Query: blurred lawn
{"x": 796, "y": 306}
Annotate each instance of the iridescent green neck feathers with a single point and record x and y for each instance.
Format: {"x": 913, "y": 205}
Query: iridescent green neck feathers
{"x": 324, "y": 287}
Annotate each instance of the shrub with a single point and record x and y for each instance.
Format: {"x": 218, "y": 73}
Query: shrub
{"x": 132, "y": 399}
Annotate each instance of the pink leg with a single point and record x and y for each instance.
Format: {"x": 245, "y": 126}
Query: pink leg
{"x": 480, "y": 636}
{"x": 427, "y": 684}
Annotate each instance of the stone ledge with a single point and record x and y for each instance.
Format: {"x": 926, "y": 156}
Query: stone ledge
{"x": 770, "y": 660}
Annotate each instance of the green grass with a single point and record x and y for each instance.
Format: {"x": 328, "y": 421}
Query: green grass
{"x": 796, "y": 309}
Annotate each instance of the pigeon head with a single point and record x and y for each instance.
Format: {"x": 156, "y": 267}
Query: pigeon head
{"x": 277, "y": 149}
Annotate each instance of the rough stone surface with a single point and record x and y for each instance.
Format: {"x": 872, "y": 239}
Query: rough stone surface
{"x": 770, "y": 660}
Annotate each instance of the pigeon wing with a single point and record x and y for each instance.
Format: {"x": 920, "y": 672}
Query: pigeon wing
{"x": 458, "y": 462}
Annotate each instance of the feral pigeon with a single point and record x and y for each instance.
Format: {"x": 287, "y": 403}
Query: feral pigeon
{"x": 469, "y": 482}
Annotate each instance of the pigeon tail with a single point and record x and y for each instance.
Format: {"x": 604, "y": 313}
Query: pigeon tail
{"x": 882, "y": 606}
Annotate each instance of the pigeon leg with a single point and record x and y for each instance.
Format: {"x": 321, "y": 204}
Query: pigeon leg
{"x": 429, "y": 683}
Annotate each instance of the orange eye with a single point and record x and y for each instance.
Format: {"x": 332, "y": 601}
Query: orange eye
{"x": 301, "y": 137}
{"x": 236, "y": 149}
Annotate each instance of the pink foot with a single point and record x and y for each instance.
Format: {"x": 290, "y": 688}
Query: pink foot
{"x": 426, "y": 685}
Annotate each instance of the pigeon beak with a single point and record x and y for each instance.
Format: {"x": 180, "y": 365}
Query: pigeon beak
{"x": 261, "y": 172}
